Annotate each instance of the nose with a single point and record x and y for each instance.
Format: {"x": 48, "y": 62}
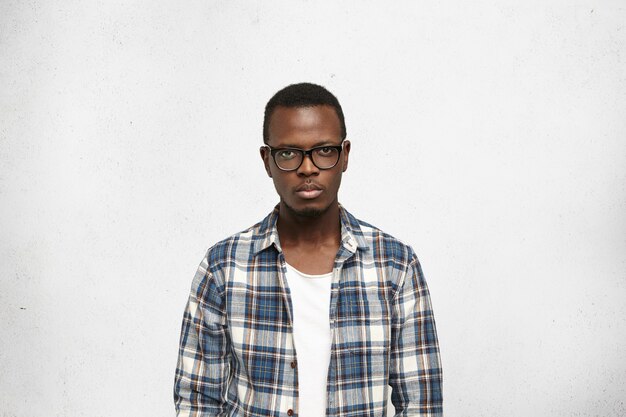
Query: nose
{"x": 307, "y": 167}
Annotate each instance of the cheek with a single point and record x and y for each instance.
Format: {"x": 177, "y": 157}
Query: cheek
{"x": 335, "y": 181}
{"x": 280, "y": 182}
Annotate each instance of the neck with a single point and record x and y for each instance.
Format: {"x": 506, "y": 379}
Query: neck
{"x": 297, "y": 229}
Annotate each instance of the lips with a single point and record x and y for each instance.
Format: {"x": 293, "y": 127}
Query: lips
{"x": 308, "y": 191}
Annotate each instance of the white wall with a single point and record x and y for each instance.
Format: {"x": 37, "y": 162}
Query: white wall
{"x": 490, "y": 135}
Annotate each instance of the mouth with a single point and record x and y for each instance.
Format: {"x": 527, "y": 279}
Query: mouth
{"x": 308, "y": 191}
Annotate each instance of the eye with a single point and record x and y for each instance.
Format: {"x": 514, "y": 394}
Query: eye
{"x": 286, "y": 154}
{"x": 325, "y": 151}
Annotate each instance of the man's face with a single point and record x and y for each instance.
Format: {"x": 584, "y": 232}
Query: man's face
{"x": 307, "y": 191}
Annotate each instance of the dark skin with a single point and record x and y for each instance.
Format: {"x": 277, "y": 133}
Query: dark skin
{"x": 309, "y": 228}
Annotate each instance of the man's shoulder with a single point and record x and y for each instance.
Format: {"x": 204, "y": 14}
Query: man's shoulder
{"x": 382, "y": 244}
{"x": 243, "y": 241}
{"x": 243, "y": 245}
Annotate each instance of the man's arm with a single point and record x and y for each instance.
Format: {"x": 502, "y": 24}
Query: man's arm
{"x": 203, "y": 369}
{"x": 415, "y": 373}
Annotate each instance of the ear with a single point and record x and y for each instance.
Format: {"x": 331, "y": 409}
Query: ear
{"x": 265, "y": 156}
{"x": 345, "y": 153}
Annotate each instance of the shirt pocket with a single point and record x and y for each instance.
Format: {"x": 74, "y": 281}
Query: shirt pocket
{"x": 368, "y": 330}
{"x": 367, "y": 339}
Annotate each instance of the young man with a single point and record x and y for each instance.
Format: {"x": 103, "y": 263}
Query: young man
{"x": 310, "y": 312}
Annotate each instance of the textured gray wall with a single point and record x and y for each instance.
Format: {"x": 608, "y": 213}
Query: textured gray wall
{"x": 490, "y": 135}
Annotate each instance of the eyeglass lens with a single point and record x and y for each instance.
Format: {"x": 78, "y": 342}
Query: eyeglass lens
{"x": 323, "y": 158}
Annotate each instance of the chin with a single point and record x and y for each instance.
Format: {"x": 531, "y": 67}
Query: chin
{"x": 311, "y": 212}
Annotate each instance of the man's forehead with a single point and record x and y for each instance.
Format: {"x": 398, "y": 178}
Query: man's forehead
{"x": 286, "y": 122}
{"x": 304, "y": 111}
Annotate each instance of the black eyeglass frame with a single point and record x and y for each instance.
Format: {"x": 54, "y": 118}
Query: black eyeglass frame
{"x": 305, "y": 152}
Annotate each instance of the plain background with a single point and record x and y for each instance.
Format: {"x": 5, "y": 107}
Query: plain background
{"x": 490, "y": 135}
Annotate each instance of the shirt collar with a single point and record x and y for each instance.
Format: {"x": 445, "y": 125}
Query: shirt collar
{"x": 351, "y": 234}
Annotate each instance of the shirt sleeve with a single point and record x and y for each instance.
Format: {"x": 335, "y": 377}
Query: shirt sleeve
{"x": 415, "y": 367}
{"x": 202, "y": 371}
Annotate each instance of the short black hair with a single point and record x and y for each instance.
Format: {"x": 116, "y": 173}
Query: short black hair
{"x": 302, "y": 95}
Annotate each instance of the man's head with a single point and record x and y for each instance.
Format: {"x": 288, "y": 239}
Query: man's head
{"x": 305, "y": 117}
{"x": 302, "y": 95}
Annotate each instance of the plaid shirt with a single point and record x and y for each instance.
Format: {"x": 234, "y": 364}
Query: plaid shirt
{"x": 237, "y": 355}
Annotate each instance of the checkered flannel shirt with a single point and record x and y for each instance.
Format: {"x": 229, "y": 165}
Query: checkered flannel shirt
{"x": 237, "y": 354}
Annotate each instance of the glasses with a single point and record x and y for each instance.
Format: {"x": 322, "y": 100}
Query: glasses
{"x": 290, "y": 159}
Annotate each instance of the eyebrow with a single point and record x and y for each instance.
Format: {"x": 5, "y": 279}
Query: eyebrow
{"x": 321, "y": 143}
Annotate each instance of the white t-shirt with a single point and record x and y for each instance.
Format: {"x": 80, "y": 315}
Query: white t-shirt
{"x": 310, "y": 297}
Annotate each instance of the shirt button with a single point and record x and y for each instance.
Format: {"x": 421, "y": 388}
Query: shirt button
{"x": 293, "y": 365}
{"x": 290, "y": 412}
